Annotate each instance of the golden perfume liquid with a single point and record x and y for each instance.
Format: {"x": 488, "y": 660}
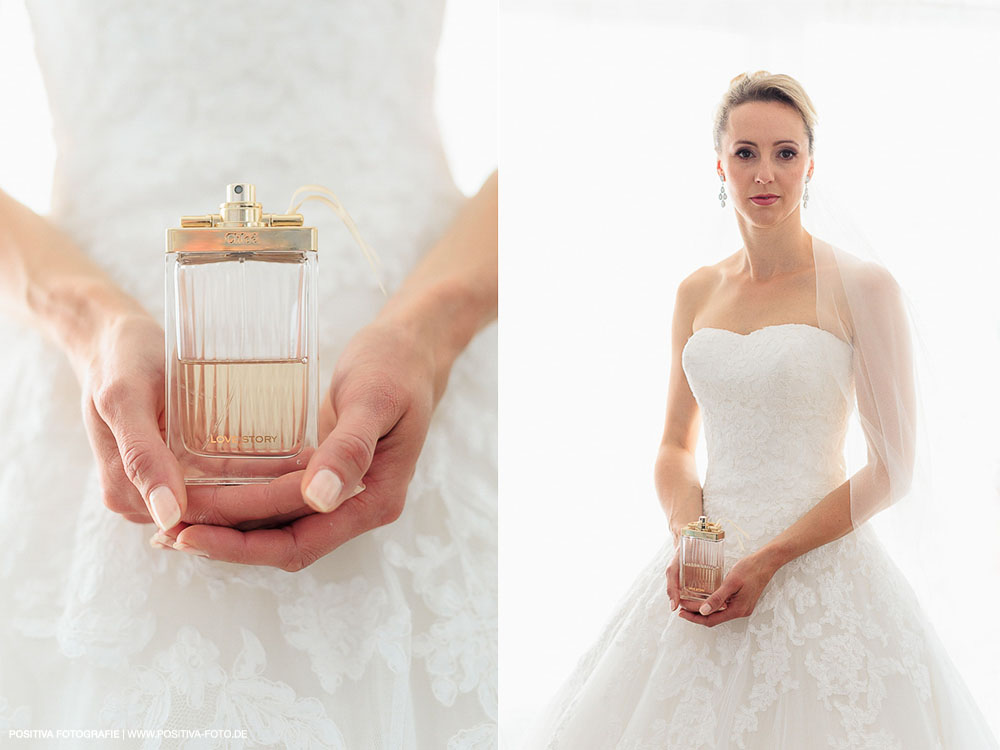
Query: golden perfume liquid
{"x": 241, "y": 323}
{"x": 243, "y": 408}
{"x": 701, "y": 580}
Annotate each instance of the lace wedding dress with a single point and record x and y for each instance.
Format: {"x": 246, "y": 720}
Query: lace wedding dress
{"x": 389, "y": 641}
{"x": 837, "y": 653}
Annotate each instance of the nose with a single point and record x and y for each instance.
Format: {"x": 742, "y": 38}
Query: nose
{"x": 764, "y": 173}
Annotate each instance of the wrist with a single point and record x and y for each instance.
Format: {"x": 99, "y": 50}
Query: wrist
{"x": 676, "y": 530}
{"x": 79, "y": 312}
{"x": 678, "y": 523}
{"x": 773, "y": 556}
{"x": 444, "y": 316}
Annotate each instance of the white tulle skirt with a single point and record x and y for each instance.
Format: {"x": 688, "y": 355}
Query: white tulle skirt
{"x": 837, "y": 654}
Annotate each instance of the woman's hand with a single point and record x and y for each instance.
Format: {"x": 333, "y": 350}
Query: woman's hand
{"x": 738, "y": 594}
{"x": 122, "y": 378}
{"x": 380, "y": 402}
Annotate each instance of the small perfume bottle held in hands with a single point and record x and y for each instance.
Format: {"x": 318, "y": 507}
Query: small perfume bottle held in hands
{"x": 702, "y": 558}
{"x": 241, "y": 364}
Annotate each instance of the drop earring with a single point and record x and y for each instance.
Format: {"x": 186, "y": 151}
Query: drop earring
{"x": 805, "y": 195}
{"x": 722, "y": 191}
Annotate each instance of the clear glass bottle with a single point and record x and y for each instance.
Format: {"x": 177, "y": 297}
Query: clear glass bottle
{"x": 241, "y": 346}
{"x": 702, "y": 558}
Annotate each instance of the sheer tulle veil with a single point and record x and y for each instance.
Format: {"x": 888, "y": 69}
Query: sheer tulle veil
{"x": 859, "y": 300}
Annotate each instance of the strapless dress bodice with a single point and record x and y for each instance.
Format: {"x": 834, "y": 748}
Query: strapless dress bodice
{"x": 775, "y": 413}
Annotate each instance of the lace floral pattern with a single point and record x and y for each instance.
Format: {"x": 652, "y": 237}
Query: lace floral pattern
{"x": 187, "y": 679}
{"x": 342, "y": 626}
{"x": 460, "y": 647}
{"x": 837, "y": 653}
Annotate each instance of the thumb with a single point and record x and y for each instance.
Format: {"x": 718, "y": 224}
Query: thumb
{"x": 340, "y": 462}
{"x": 717, "y": 599}
{"x": 147, "y": 461}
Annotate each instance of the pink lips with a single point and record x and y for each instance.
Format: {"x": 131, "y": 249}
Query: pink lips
{"x": 764, "y": 200}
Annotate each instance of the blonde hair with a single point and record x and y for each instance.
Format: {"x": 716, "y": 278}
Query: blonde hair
{"x": 763, "y": 86}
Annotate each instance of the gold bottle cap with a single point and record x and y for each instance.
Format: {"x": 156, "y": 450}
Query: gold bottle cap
{"x": 705, "y": 529}
{"x": 241, "y": 225}
{"x": 241, "y": 209}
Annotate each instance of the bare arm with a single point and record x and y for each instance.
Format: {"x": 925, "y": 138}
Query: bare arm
{"x": 676, "y": 475}
{"x": 825, "y": 522}
{"x": 47, "y": 281}
{"x": 452, "y": 292}
{"x": 116, "y": 350}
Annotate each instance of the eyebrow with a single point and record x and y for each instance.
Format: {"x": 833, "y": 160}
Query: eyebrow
{"x": 751, "y": 143}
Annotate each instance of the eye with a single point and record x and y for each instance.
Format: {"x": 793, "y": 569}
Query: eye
{"x": 744, "y": 151}
{"x": 791, "y": 154}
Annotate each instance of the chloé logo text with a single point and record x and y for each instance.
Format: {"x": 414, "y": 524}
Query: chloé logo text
{"x": 242, "y": 438}
{"x": 241, "y": 238}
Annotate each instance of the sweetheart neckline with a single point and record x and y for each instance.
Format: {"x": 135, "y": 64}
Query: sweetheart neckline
{"x": 764, "y": 328}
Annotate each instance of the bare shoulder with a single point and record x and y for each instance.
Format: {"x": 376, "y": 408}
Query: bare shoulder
{"x": 696, "y": 287}
{"x": 691, "y": 295}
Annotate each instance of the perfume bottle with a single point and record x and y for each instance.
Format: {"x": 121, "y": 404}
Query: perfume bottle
{"x": 702, "y": 558}
{"x": 241, "y": 345}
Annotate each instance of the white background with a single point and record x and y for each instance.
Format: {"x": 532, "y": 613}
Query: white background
{"x": 609, "y": 200}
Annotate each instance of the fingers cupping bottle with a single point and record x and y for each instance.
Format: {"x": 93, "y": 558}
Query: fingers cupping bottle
{"x": 241, "y": 320}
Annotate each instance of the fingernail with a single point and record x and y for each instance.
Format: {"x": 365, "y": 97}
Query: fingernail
{"x": 183, "y": 547}
{"x": 163, "y": 505}
{"x": 158, "y": 540}
{"x": 323, "y": 490}
{"x": 706, "y": 608}
{"x": 359, "y": 489}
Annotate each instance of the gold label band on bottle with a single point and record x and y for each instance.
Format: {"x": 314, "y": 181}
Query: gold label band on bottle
{"x": 217, "y": 239}
{"x": 709, "y": 535}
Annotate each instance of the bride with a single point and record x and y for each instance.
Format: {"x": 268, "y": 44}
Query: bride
{"x": 813, "y": 638}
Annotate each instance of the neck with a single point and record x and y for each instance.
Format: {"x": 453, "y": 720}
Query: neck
{"x": 776, "y": 250}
